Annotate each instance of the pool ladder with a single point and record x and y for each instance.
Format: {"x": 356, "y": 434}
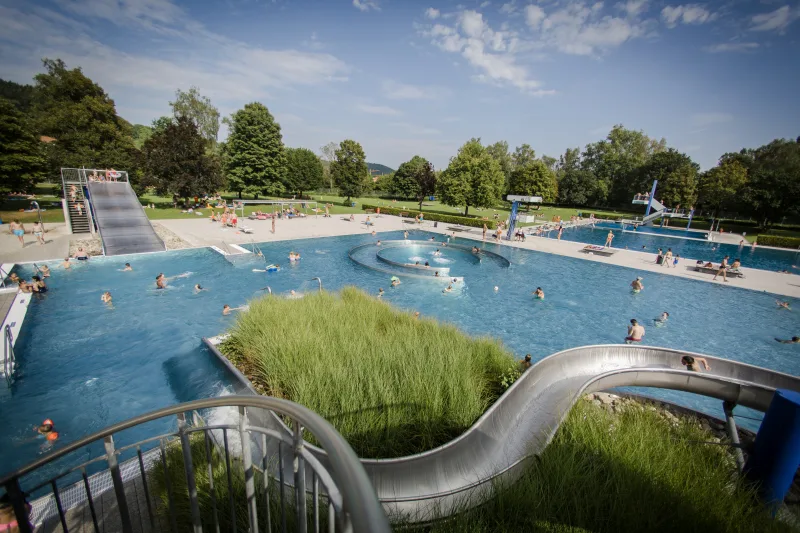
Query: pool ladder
{"x": 9, "y": 360}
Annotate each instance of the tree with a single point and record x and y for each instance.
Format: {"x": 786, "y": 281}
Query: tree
{"x": 75, "y": 111}
{"x": 499, "y": 151}
{"x": 414, "y": 179}
{"x": 533, "y": 178}
{"x": 328, "y": 156}
{"x": 473, "y": 178}
{"x": 197, "y": 108}
{"x": 303, "y": 170}
{"x": 550, "y": 162}
{"x": 773, "y": 189}
{"x": 720, "y": 186}
{"x": 676, "y": 174}
{"x": 178, "y": 163}
{"x": 523, "y": 155}
{"x": 22, "y": 163}
{"x": 383, "y": 183}
{"x": 140, "y": 134}
{"x": 576, "y": 184}
{"x": 349, "y": 169}
{"x": 616, "y": 159}
{"x": 19, "y": 95}
{"x": 254, "y": 154}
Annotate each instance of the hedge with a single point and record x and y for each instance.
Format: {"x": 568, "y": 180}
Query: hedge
{"x": 449, "y": 219}
{"x": 779, "y": 241}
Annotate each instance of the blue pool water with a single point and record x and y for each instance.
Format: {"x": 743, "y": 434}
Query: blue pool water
{"x": 87, "y": 365}
{"x": 654, "y": 238}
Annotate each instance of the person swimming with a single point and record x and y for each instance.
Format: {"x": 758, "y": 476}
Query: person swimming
{"x": 635, "y": 332}
{"x": 128, "y": 268}
{"x": 378, "y": 243}
{"x": 81, "y": 254}
{"x": 437, "y": 252}
{"x": 198, "y": 288}
{"x": 416, "y": 314}
{"x": 793, "y": 340}
{"x": 475, "y": 250}
{"x": 525, "y": 363}
{"x": 45, "y": 270}
{"x": 38, "y": 285}
{"x": 227, "y": 309}
{"x": 496, "y": 288}
{"x": 380, "y": 293}
{"x": 539, "y": 293}
{"x": 106, "y": 297}
{"x": 405, "y": 235}
{"x": 781, "y": 304}
{"x": 448, "y": 289}
{"x": 47, "y": 429}
{"x": 66, "y": 264}
{"x": 396, "y": 282}
{"x": 161, "y": 281}
{"x": 636, "y": 284}
{"x": 661, "y": 320}
{"x": 427, "y": 264}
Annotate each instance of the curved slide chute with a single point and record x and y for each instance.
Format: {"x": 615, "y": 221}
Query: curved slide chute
{"x": 522, "y": 422}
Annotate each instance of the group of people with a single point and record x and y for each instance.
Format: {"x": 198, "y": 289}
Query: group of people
{"x": 105, "y": 175}
{"x": 667, "y": 259}
{"x": 17, "y": 229}
{"x": 36, "y": 285}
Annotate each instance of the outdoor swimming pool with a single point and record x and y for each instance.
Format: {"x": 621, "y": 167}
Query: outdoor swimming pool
{"x": 87, "y": 365}
{"x": 655, "y": 238}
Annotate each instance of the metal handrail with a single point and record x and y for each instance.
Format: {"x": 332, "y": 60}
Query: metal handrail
{"x": 352, "y": 502}
{"x": 9, "y": 360}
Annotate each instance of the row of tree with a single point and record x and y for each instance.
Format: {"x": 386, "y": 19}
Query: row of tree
{"x": 67, "y": 120}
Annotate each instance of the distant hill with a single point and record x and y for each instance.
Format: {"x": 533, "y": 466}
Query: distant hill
{"x": 376, "y": 169}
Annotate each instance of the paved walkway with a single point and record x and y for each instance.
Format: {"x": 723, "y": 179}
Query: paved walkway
{"x": 56, "y": 238}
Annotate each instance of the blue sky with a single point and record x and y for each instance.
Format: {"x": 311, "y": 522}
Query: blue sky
{"x": 408, "y": 77}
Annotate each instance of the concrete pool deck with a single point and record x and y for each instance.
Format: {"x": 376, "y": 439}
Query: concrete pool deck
{"x": 201, "y": 232}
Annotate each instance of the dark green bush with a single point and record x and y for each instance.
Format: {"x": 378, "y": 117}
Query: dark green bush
{"x": 779, "y": 241}
{"x": 438, "y": 217}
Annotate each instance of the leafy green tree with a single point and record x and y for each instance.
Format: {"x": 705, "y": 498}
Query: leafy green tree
{"x": 199, "y": 109}
{"x": 384, "y": 183}
{"x": 576, "y": 184}
{"x": 178, "y": 163}
{"x": 161, "y": 123}
{"x": 523, "y": 155}
{"x": 676, "y": 174}
{"x": 303, "y": 170}
{"x": 414, "y": 179}
{"x": 721, "y": 185}
{"x": 499, "y": 151}
{"x": 22, "y": 163}
{"x": 75, "y": 111}
{"x": 349, "y": 169}
{"x": 254, "y": 154}
{"x": 19, "y": 95}
{"x": 773, "y": 189}
{"x": 473, "y": 178}
{"x": 140, "y": 134}
{"x": 616, "y": 160}
{"x": 550, "y": 162}
{"x": 533, "y": 178}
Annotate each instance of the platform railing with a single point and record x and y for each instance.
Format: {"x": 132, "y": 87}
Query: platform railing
{"x": 337, "y": 495}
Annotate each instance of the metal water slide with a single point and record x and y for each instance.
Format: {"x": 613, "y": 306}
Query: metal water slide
{"x": 121, "y": 220}
{"x": 463, "y": 473}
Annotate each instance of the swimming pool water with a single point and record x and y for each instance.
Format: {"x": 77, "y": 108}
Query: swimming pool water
{"x": 87, "y": 365}
{"x": 654, "y": 238}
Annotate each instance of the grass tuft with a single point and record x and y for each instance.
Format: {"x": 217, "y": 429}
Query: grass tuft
{"x": 392, "y": 385}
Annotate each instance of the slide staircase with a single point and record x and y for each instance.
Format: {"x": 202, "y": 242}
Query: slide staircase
{"x": 121, "y": 220}
{"x": 78, "y": 210}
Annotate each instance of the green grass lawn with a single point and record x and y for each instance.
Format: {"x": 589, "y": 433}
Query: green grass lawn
{"x": 46, "y": 194}
{"x": 390, "y": 383}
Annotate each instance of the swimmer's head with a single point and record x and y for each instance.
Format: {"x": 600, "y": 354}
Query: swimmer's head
{"x": 293, "y": 293}
{"x": 496, "y": 288}
{"x": 66, "y": 259}
{"x": 538, "y": 288}
{"x": 633, "y": 321}
{"x": 528, "y": 358}
{"x": 226, "y": 306}
{"x": 666, "y": 314}
{"x": 198, "y": 287}
{"x": 36, "y": 278}
{"x": 127, "y": 265}
{"x": 687, "y": 360}
{"x": 795, "y": 339}
{"x": 416, "y": 314}
{"x": 638, "y": 278}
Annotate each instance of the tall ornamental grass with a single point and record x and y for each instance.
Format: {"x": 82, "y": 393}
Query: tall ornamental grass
{"x": 392, "y": 384}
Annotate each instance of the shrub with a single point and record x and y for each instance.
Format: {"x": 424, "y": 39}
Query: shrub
{"x": 391, "y": 384}
{"x": 448, "y": 219}
{"x": 779, "y": 241}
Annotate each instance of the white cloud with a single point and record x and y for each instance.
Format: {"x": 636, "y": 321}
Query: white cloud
{"x": 686, "y": 14}
{"x": 701, "y": 120}
{"x": 634, "y": 8}
{"x": 378, "y": 110}
{"x": 402, "y": 91}
{"x": 432, "y": 13}
{"x": 366, "y": 5}
{"x": 509, "y": 8}
{"x": 731, "y": 47}
{"x": 534, "y": 15}
{"x": 415, "y": 129}
{"x": 777, "y": 20}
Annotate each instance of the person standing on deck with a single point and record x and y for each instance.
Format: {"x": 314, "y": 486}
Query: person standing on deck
{"x": 609, "y": 238}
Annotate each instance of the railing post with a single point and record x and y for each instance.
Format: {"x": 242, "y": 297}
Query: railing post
{"x": 186, "y": 445}
{"x": 17, "y": 498}
{"x": 249, "y": 472}
{"x": 119, "y": 487}
{"x": 299, "y": 467}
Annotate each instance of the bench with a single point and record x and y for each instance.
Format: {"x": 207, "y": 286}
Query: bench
{"x": 713, "y": 270}
{"x": 599, "y": 250}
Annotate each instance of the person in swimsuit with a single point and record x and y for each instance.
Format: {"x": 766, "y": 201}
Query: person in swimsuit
{"x": 783, "y": 305}
{"x": 416, "y": 314}
{"x": 161, "y": 281}
{"x": 18, "y": 229}
{"x": 539, "y": 293}
{"x": 380, "y": 293}
{"x": 635, "y": 332}
{"x": 525, "y": 363}
{"x": 38, "y": 232}
{"x": 636, "y": 285}
{"x": 448, "y": 289}
{"x": 81, "y": 255}
{"x": 609, "y": 238}
{"x": 38, "y": 285}
{"x": 793, "y": 340}
{"x": 693, "y": 363}
{"x": 485, "y": 228}
{"x": 25, "y": 287}
{"x": 661, "y": 320}
{"x": 405, "y": 235}
{"x": 723, "y": 269}
{"x": 66, "y": 264}
{"x": 106, "y": 297}
{"x": 198, "y": 288}
{"x": 128, "y": 268}
{"x": 395, "y": 282}
{"x": 668, "y": 258}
